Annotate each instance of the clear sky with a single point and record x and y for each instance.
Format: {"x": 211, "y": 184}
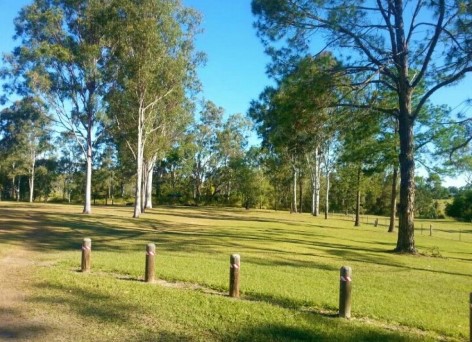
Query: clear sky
{"x": 235, "y": 71}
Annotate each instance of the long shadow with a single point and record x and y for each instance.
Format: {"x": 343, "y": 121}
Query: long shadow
{"x": 53, "y": 231}
{"x": 20, "y": 330}
{"x": 281, "y": 332}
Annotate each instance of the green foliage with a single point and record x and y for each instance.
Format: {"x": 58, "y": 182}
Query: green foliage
{"x": 461, "y": 207}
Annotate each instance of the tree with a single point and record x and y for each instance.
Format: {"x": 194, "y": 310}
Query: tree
{"x": 461, "y": 207}
{"x": 152, "y": 65}
{"x": 380, "y": 42}
{"x": 25, "y": 131}
{"x": 205, "y": 139}
{"x": 60, "y": 60}
{"x": 293, "y": 119}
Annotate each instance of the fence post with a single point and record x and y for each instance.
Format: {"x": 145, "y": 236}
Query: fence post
{"x": 345, "y": 292}
{"x": 86, "y": 254}
{"x": 430, "y": 230}
{"x": 421, "y": 229}
{"x": 376, "y": 223}
{"x": 149, "y": 272}
{"x": 460, "y": 233}
{"x": 234, "y": 267}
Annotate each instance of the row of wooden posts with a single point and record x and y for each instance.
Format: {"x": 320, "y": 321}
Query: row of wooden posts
{"x": 234, "y": 271}
{"x": 345, "y": 281}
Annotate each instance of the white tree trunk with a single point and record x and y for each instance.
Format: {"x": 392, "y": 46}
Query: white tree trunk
{"x": 139, "y": 166}
{"x": 31, "y": 182}
{"x": 150, "y": 169}
{"x": 315, "y": 174}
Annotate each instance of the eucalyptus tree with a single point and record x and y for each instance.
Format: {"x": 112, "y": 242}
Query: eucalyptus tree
{"x": 204, "y": 134}
{"x": 152, "y": 65}
{"x": 277, "y": 124}
{"x": 231, "y": 142}
{"x": 25, "y": 133}
{"x": 294, "y": 116}
{"x": 60, "y": 59}
{"x": 380, "y": 41}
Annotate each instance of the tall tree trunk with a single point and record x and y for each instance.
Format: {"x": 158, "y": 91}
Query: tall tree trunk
{"x": 393, "y": 200}
{"x": 139, "y": 167}
{"x": 31, "y": 182}
{"x": 315, "y": 182}
{"x": 327, "y": 195}
{"x": 88, "y": 172}
{"x": 300, "y": 188}
{"x": 149, "y": 171}
{"x": 406, "y": 232}
{"x": 144, "y": 182}
{"x": 294, "y": 190}
{"x": 18, "y": 189}
{"x": 358, "y": 199}
{"x": 406, "y": 227}
{"x": 13, "y": 188}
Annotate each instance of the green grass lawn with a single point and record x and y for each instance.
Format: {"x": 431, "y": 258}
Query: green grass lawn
{"x": 289, "y": 275}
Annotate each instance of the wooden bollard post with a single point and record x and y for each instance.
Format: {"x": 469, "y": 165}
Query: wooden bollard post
{"x": 150, "y": 268}
{"x": 234, "y": 267}
{"x": 345, "y": 292}
{"x": 421, "y": 229}
{"x": 86, "y": 254}
{"x": 376, "y": 223}
{"x": 430, "y": 230}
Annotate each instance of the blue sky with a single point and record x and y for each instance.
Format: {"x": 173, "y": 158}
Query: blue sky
{"x": 235, "y": 71}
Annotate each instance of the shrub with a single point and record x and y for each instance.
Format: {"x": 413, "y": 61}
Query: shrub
{"x": 461, "y": 207}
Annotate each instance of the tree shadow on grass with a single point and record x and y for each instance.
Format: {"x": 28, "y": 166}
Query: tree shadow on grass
{"x": 43, "y": 230}
{"x": 93, "y": 306}
{"x": 22, "y": 332}
{"x": 281, "y": 333}
{"x": 13, "y": 326}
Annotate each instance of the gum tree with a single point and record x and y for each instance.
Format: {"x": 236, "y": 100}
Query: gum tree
{"x": 60, "y": 60}
{"x": 151, "y": 68}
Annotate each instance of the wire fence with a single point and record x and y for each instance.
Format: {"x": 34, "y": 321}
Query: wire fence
{"x": 441, "y": 228}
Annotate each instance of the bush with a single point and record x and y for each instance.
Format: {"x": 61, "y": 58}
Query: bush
{"x": 461, "y": 207}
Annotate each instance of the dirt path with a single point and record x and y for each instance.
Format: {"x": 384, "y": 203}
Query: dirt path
{"x": 17, "y": 319}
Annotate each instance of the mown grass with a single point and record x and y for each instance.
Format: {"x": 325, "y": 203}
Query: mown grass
{"x": 289, "y": 275}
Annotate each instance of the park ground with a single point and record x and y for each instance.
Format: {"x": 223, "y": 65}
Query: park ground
{"x": 289, "y": 277}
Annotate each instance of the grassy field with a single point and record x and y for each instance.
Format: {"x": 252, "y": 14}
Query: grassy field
{"x": 289, "y": 276}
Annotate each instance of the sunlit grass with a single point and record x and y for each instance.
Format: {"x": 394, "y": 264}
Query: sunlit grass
{"x": 289, "y": 274}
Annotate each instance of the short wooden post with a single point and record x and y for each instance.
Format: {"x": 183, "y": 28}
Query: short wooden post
{"x": 234, "y": 267}
{"x": 86, "y": 254}
{"x": 150, "y": 268}
{"x": 421, "y": 229}
{"x": 430, "y": 230}
{"x": 376, "y": 223}
{"x": 345, "y": 292}
{"x": 460, "y": 233}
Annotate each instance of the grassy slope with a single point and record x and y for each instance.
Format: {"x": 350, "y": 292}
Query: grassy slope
{"x": 290, "y": 271}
